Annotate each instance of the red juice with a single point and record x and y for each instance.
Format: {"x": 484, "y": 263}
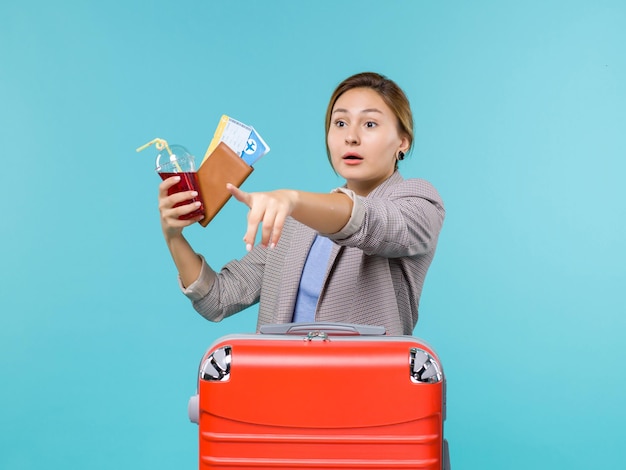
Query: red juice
{"x": 188, "y": 182}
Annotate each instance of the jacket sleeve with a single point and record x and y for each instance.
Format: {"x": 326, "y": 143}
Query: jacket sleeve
{"x": 235, "y": 287}
{"x": 404, "y": 220}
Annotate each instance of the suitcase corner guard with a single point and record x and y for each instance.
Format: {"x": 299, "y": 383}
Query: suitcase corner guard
{"x": 424, "y": 367}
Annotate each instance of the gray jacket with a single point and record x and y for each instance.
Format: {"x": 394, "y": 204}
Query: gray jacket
{"x": 375, "y": 273}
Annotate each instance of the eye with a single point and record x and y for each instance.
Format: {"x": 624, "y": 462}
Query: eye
{"x": 370, "y": 124}
{"x": 340, "y": 123}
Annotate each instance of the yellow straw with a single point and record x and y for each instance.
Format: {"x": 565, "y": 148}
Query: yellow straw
{"x": 160, "y": 144}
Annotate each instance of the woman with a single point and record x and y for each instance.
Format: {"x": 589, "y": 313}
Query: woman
{"x": 356, "y": 255}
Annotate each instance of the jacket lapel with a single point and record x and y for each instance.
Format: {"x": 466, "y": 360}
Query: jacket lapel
{"x": 296, "y": 257}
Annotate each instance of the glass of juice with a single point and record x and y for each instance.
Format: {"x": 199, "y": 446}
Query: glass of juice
{"x": 176, "y": 160}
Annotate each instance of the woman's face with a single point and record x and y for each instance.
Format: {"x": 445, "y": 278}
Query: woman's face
{"x": 363, "y": 139}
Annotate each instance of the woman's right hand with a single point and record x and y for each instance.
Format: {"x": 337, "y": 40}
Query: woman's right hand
{"x": 171, "y": 225}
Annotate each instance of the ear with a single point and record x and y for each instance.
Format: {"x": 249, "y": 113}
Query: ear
{"x": 404, "y": 144}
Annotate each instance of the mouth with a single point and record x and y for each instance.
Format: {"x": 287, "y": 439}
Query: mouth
{"x": 353, "y": 157}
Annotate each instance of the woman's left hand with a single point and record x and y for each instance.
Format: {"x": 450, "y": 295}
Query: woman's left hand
{"x": 269, "y": 209}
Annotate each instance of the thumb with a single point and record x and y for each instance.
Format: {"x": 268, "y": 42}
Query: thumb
{"x": 238, "y": 194}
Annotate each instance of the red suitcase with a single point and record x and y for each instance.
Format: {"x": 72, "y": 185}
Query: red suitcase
{"x": 320, "y": 396}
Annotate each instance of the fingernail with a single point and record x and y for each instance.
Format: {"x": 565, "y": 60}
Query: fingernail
{"x": 248, "y": 246}
{"x": 194, "y": 193}
{"x": 272, "y": 245}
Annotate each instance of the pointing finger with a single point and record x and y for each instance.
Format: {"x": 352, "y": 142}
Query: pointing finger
{"x": 238, "y": 194}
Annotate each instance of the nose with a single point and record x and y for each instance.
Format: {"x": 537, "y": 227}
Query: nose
{"x": 352, "y": 137}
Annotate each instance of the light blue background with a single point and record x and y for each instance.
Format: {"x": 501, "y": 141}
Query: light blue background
{"x": 520, "y": 113}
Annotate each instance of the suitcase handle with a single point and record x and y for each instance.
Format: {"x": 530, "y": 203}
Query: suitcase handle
{"x": 330, "y": 329}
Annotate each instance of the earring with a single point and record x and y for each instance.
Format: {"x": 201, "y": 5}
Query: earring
{"x": 400, "y": 155}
